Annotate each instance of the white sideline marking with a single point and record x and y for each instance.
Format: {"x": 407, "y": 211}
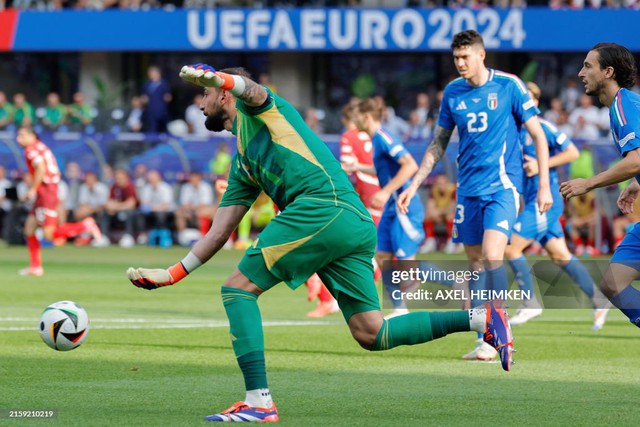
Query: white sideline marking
{"x": 161, "y": 324}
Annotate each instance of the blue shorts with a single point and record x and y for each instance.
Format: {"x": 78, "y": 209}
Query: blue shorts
{"x": 531, "y": 224}
{"x": 628, "y": 252}
{"x": 400, "y": 234}
{"x": 474, "y": 215}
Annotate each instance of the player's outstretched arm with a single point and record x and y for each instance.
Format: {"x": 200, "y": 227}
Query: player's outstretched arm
{"x": 225, "y": 221}
{"x": 544, "y": 199}
{"x": 562, "y": 158}
{"x": 242, "y": 87}
{"x": 434, "y": 153}
{"x": 625, "y": 169}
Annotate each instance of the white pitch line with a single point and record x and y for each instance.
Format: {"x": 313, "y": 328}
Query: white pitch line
{"x": 165, "y": 324}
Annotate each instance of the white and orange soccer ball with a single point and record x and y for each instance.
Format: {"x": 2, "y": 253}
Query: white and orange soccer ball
{"x": 64, "y": 325}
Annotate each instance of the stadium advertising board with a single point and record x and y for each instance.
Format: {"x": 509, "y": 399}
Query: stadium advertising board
{"x": 314, "y": 29}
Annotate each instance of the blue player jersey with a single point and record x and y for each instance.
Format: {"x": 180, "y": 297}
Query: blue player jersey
{"x": 558, "y": 142}
{"x": 387, "y": 151}
{"x": 624, "y": 117}
{"x": 489, "y": 119}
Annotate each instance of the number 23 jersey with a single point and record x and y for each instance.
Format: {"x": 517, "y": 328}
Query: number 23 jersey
{"x": 489, "y": 119}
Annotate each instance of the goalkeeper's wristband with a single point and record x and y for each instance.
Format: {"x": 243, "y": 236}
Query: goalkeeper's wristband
{"x": 232, "y": 83}
{"x": 181, "y": 269}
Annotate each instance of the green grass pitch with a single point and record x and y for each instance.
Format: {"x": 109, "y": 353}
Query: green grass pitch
{"x": 165, "y": 358}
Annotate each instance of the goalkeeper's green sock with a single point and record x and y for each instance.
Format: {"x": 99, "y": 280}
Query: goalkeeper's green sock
{"x": 247, "y": 339}
{"x": 419, "y": 327}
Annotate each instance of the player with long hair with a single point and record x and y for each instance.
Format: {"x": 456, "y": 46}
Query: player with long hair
{"x": 608, "y": 72}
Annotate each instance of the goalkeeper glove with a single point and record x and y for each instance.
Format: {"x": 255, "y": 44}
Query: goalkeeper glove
{"x": 154, "y": 278}
{"x": 206, "y": 76}
{"x": 201, "y": 75}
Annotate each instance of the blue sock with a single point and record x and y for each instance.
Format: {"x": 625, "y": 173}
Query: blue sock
{"x": 497, "y": 279}
{"x": 391, "y": 287}
{"x": 522, "y": 272}
{"x": 437, "y": 273}
{"x": 628, "y": 301}
{"x": 579, "y": 274}
{"x": 477, "y": 285}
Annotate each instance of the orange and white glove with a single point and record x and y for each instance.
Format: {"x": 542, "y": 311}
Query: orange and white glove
{"x": 206, "y": 76}
{"x": 154, "y": 278}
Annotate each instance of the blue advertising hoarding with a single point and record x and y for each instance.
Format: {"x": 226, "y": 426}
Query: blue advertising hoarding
{"x": 314, "y": 29}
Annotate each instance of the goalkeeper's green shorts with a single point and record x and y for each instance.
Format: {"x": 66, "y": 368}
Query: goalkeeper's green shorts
{"x": 316, "y": 236}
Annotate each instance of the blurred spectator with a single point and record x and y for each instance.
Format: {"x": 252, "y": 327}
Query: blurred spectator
{"x": 106, "y": 175}
{"x": 422, "y": 106}
{"x": 195, "y": 119}
{"x": 418, "y": 128}
{"x": 80, "y": 114}
{"x": 156, "y": 204}
{"x": 196, "y": 204}
{"x": 5, "y": 204}
{"x": 135, "y": 119}
{"x": 121, "y": 208}
{"x": 562, "y": 123}
{"x": 313, "y": 118}
{"x": 265, "y": 80}
{"x": 23, "y": 113}
{"x": 6, "y": 111}
{"x": 554, "y": 111}
{"x": 73, "y": 179}
{"x": 439, "y": 210}
{"x": 156, "y": 97}
{"x": 390, "y": 121}
{"x": 569, "y": 94}
{"x": 585, "y": 119}
{"x": 582, "y": 223}
{"x": 92, "y": 198}
{"x": 63, "y": 195}
{"x": 221, "y": 161}
{"x": 55, "y": 114}
{"x": 140, "y": 177}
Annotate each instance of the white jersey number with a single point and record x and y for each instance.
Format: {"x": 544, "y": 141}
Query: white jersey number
{"x": 477, "y": 122}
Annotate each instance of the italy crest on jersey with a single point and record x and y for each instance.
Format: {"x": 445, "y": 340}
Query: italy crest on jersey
{"x": 492, "y": 101}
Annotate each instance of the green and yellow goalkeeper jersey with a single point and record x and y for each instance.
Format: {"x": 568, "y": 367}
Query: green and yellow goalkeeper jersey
{"x": 279, "y": 154}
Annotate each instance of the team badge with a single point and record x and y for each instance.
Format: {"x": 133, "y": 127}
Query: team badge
{"x": 492, "y": 101}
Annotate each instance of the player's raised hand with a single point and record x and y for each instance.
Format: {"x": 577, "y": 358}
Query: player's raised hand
{"x": 201, "y": 75}
{"x": 149, "y": 278}
{"x": 405, "y": 198}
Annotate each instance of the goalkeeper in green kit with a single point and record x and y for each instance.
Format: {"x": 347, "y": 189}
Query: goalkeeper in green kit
{"x": 323, "y": 227}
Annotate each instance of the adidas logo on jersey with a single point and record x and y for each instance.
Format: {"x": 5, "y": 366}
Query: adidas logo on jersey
{"x": 461, "y": 106}
{"x": 503, "y": 224}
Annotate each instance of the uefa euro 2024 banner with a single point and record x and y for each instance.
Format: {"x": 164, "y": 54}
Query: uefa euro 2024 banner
{"x": 314, "y": 29}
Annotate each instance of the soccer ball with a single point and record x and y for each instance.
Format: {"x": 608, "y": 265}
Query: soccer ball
{"x": 64, "y": 325}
